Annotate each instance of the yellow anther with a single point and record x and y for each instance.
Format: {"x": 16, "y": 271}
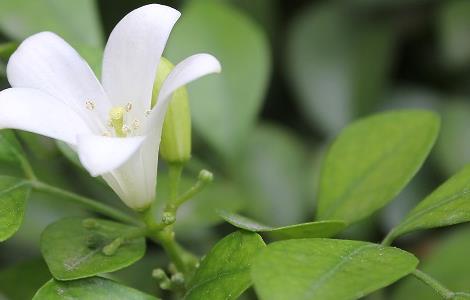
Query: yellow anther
{"x": 116, "y": 115}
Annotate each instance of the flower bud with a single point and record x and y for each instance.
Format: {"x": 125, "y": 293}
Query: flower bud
{"x": 175, "y": 146}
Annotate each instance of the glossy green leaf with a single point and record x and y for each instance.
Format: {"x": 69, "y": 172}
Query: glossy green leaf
{"x": 310, "y": 269}
{"x": 372, "y": 160}
{"x": 273, "y": 174}
{"x": 305, "y": 230}
{"x": 72, "y": 251}
{"x": 446, "y": 263}
{"x": 13, "y": 195}
{"x": 449, "y": 204}
{"x": 225, "y": 271}
{"x": 95, "y": 288}
{"x": 329, "y": 64}
{"x": 453, "y": 28}
{"x": 224, "y": 106}
{"x": 31, "y": 273}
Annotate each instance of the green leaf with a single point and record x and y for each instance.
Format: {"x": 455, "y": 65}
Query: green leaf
{"x": 372, "y": 160}
{"x": 225, "y": 272}
{"x": 75, "y": 21}
{"x": 327, "y": 269}
{"x": 453, "y": 28}
{"x": 72, "y": 251}
{"x": 13, "y": 195}
{"x": 449, "y": 204}
{"x": 273, "y": 173}
{"x": 10, "y": 148}
{"x": 32, "y": 274}
{"x": 446, "y": 264}
{"x": 333, "y": 78}
{"x": 224, "y": 106}
{"x": 305, "y": 230}
{"x": 95, "y": 288}
{"x": 453, "y": 146}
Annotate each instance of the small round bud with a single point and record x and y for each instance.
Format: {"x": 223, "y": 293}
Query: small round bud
{"x": 111, "y": 249}
{"x": 159, "y": 274}
{"x": 168, "y": 218}
{"x": 175, "y": 146}
{"x": 177, "y": 279}
{"x": 205, "y": 176}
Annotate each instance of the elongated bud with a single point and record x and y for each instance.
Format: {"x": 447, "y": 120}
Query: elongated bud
{"x": 175, "y": 146}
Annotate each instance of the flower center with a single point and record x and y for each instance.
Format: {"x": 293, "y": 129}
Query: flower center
{"x": 116, "y": 117}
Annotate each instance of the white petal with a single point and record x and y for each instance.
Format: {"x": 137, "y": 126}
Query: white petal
{"x": 132, "y": 55}
{"x": 38, "y": 112}
{"x": 101, "y": 154}
{"x": 190, "y": 69}
{"x": 46, "y": 62}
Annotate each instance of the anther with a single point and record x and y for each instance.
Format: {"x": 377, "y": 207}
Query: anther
{"x": 147, "y": 112}
{"x": 90, "y": 104}
{"x": 126, "y": 129}
{"x": 128, "y": 106}
{"x": 136, "y": 124}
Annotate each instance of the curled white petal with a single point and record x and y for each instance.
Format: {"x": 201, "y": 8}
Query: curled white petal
{"x": 132, "y": 55}
{"x": 34, "y": 111}
{"x": 190, "y": 69}
{"x": 102, "y": 154}
{"x": 46, "y": 62}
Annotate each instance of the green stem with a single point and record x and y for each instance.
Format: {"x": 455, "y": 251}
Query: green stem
{"x": 166, "y": 238}
{"x": 388, "y": 240}
{"x": 433, "y": 283}
{"x": 87, "y": 202}
{"x": 174, "y": 172}
{"x": 205, "y": 177}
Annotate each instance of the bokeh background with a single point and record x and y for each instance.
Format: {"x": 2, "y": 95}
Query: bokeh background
{"x": 294, "y": 73}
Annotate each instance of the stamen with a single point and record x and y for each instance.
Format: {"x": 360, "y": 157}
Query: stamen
{"x": 117, "y": 120}
{"x": 147, "y": 112}
{"x": 136, "y": 124}
{"x": 126, "y": 129}
{"x": 90, "y": 104}
{"x": 128, "y": 106}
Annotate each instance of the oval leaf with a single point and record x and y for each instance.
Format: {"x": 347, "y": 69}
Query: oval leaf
{"x": 449, "y": 204}
{"x": 298, "y": 231}
{"x": 327, "y": 269}
{"x": 95, "y": 288}
{"x": 13, "y": 195}
{"x": 225, "y": 272}
{"x": 72, "y": 251}
{"x": 372, "y": 160}
{"x": 226, "y": 105}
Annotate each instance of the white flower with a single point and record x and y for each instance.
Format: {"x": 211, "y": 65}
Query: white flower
{"x": 111, "y": 125}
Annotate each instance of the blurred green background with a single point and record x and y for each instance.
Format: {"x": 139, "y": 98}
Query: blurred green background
{"x": 294, "y": 73}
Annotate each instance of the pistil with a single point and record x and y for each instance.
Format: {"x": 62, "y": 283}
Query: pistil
{"x": 116, "y": 116}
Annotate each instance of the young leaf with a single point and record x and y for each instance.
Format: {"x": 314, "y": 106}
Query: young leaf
{"x": 13, "y": 195}
{"x": 449, "y": 204}
{"x": 445, "y": 263}
{"x": 305, "y": 230}
{"x": 95, "y": 288}
{"x": 225, "y": 105}
{"x": 225, "y": 272}
{"x": 72, "y": 251}
{"x": 372, "y": 160}
{"x": 327, "y": 269}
